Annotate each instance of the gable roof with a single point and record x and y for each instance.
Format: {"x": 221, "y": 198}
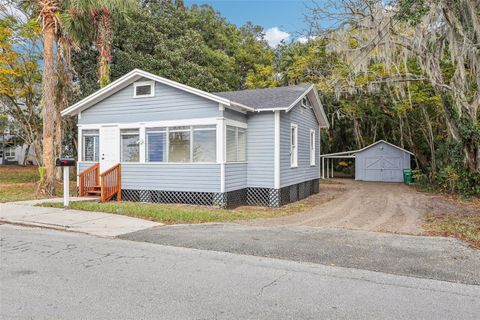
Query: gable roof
{"x": 279, "y": 98}
{"x": 383, "y": 141}
{"x": 131, "y": 77}
{"x": 270, "y": 99}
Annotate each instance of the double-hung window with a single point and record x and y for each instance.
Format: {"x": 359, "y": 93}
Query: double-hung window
{"x": 90, "y": 142}
{"x": 236, "y": 144}
{"x": 293, "y": 145}
{"x": 130, "y": 145}
{"x": 312, "y": 147}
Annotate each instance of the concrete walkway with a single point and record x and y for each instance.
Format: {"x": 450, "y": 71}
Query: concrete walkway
{"x": 95, "y": 223}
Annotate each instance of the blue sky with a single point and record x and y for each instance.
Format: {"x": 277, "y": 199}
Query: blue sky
{"x": 282, "y": 19}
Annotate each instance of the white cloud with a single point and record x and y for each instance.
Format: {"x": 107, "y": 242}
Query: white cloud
{"x": 302, "y": 39}
{"x": 274, "y": 36}
{"x": 305, "y": 39}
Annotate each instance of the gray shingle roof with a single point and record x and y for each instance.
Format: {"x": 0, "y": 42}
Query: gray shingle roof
{"x": 280, "y": 97}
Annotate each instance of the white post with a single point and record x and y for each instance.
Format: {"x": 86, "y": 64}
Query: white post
{"x": 328, "y": 166}
{"x": 66, "y": 186}
{"x": 276, "y": 152}
{"x": 332, "y": 167}
{"x": 323, "y": 168}
{"x": 221, "y": 149}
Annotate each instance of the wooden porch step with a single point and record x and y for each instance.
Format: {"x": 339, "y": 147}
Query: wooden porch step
{"x": 94, "y": 192}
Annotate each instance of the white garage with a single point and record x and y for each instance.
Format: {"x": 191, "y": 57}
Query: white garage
{"x": 380, "y": 161}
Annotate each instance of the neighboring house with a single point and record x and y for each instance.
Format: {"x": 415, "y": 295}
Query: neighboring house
{"x": 178, "y": 144}
{"x": 13, "y": 152}
{"x": 381, "y": 161}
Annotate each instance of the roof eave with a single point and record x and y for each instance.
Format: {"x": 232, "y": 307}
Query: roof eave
{"x": 131, "y": 77}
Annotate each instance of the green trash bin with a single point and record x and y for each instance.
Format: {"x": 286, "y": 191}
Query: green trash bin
{"x": 407, "y": 176}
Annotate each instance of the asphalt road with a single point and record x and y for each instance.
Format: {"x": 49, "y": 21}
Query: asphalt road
{"x": 437, "y": 258}
{"x": 47, "y": 274}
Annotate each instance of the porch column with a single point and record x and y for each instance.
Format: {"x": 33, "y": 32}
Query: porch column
{"x": 276, "y": 161}
{"x": 221, "y": 154}
{"x": 328, "y": 166}
{"x": 220, "y": 197}
{"x": 332, "y": 167}
{"x": 323, "y": 167}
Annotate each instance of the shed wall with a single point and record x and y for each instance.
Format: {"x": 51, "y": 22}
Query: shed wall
{"x": 381, "y": 162}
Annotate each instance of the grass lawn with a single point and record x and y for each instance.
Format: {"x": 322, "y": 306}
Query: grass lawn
{"x": 19, "y": 183}
{"x": 176, "y": 213}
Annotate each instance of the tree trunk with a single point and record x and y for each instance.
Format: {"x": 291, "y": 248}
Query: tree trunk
{"x": 58, "y": 142}
{"x": 358, "y": 133}
{"x": 47, "y": 186}
{"x": 430, "y": 139}
{"x": 104, "y": 43}
{"x": 471, "y": 148}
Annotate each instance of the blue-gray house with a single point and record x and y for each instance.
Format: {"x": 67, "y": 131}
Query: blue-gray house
{"x": 147, "y": 138}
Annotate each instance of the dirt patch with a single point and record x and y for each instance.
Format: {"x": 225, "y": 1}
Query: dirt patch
{"x": 370, "y": 206}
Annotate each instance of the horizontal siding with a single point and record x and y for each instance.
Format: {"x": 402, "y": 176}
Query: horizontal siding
{"x": 305, "y": 120}
{"x": 260, "y": 150}
{"x": 234, "y": 115}
{"x": 172, "y": 177}
{"x": 235, "y": 176}
{"x": 169, "y": 177}
{"x": 168, "y": 104}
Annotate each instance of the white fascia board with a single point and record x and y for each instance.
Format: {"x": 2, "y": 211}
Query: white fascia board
{"x": 322, "y": 110}
{"x": 233, "y": 103}
{"x": 271, "y": 109}
{"x": 390, "y": 144}
{"x": 131, "y": 77}
{"x": 300, "y": 98}
{"x": 77, "y": 107}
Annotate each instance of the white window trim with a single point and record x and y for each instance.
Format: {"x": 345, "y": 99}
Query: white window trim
{"x": 144, "y": 83}
{"x": 313, "y": 150}
{"x": 294, "y": 152}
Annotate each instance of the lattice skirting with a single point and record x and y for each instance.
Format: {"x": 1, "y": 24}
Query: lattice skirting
{"x": 265, "y": 197}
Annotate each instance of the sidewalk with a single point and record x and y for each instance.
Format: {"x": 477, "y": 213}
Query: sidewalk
{"x": 95, "y": 223}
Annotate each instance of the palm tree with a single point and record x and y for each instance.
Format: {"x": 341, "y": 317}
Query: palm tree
{"x": 99, "y": 13}
{"x": 49, "y": 10}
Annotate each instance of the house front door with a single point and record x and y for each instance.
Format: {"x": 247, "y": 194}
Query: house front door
{"x": 109, "y": 147}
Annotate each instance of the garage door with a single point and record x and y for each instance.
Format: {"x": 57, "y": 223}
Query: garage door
{"x": 382, "y": 168}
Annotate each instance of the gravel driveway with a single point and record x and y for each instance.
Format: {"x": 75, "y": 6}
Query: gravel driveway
{"x": 370, "y": 206}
